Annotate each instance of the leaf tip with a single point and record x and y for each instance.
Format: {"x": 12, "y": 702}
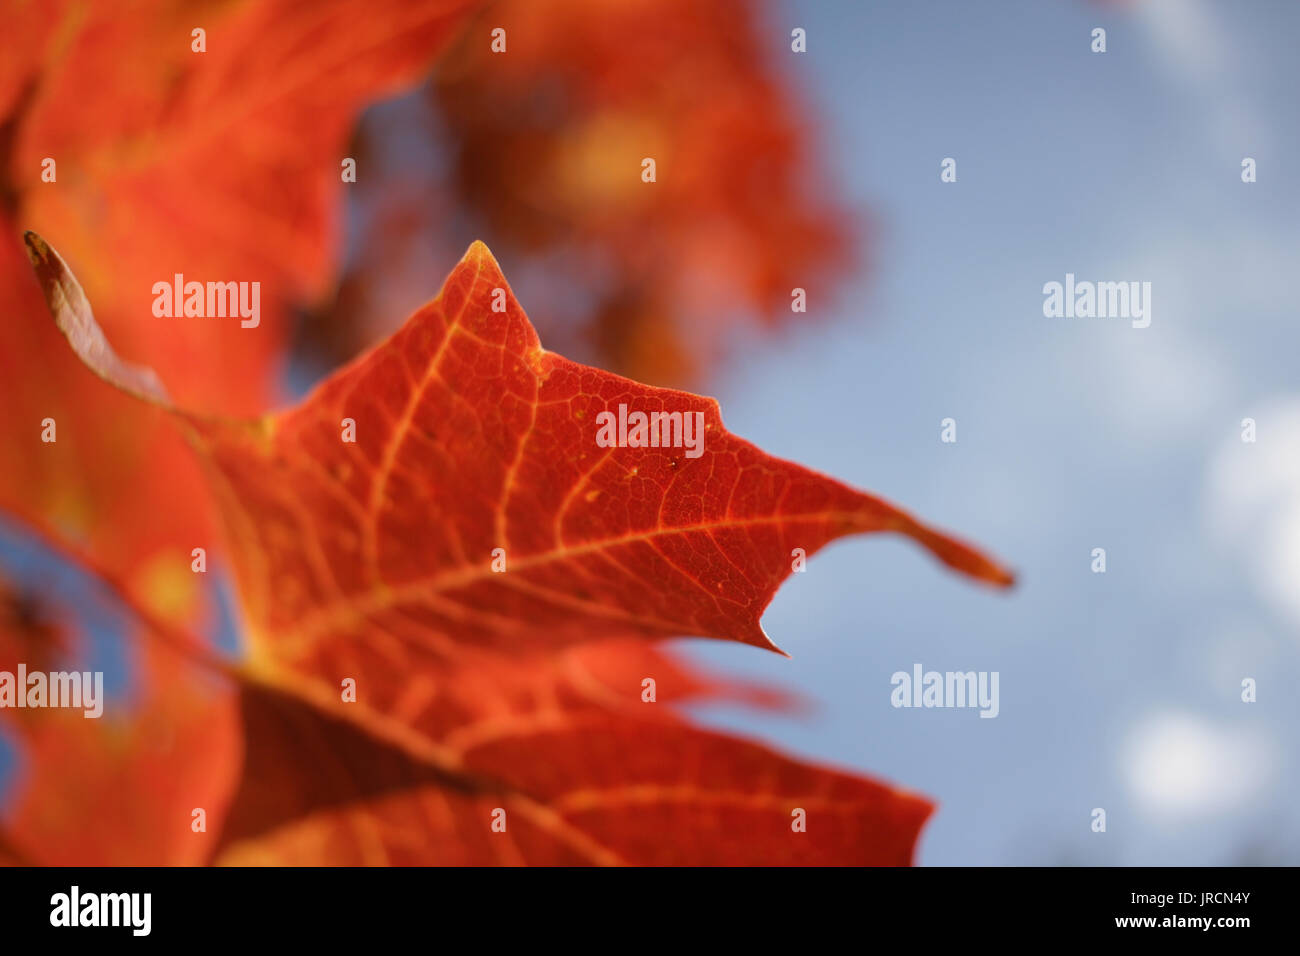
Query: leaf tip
{"x": 760, "y": 639}
{"x": 72, "y": 315}
{"x": 479, "y": 252}
{"x": 39, "y": 252}
{"x": 956, "y": 554}
{"x": 987, "y": 570}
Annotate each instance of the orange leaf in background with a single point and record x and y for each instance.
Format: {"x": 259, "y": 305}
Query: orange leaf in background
{"x": 120, "y": 790}
{"x": 372, "y": 560}
{"x": 213, "y": 165}
{"x": 219, "y": 165}
{"x": 544, "y": 145}
{"x": 101, "y": 482}
{"x": 30, "y": 631}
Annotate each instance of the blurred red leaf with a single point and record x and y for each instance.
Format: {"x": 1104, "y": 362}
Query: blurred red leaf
{"x": 579, "y": 779}
{"x": 31, "y": 631}
{"x": 542, "y": 146}
{"x": 120, "y": 790}
{"x": 223, "y": 165}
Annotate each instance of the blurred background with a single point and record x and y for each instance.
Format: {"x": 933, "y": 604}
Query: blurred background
{"x": 821, "y": 170}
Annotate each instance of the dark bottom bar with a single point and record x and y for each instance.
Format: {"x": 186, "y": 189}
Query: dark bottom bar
{"x": 438, "y": 905}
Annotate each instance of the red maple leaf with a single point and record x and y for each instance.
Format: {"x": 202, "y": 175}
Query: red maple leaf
{"x": 436, "y": 530}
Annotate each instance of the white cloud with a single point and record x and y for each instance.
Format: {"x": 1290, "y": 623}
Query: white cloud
{"x": 1146, "y": 382}
{"x": 1179, "y": 765}
{"x": 1196, "y": 53}
{"x": 1253, "y": 502}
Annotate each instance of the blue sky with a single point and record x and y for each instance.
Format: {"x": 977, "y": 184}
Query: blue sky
{"x": 1119, "y": 690}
